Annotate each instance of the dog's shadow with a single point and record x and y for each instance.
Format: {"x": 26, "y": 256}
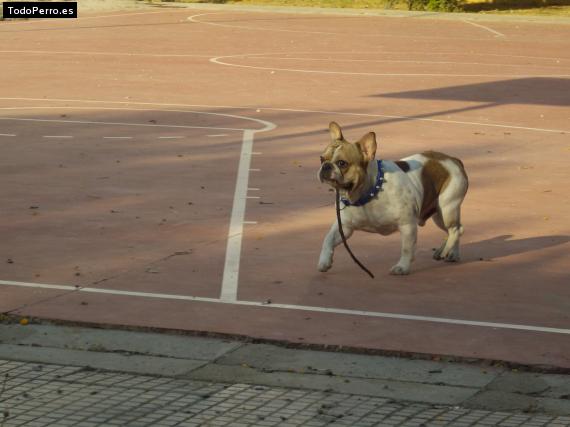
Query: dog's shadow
{"x": 504, "y": 245}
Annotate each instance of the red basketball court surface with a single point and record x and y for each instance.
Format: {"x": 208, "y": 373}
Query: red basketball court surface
{"x": 159, "y": 170}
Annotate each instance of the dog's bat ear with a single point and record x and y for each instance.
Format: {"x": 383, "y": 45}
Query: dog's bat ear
{"x": 336, "y": 133}
{"x": 368, "y": 146}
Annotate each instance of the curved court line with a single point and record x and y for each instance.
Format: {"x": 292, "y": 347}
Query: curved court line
{"x": 299, "y": 110}
{"x": 497, "y": 34}
{"x": 379, "y": 314}
{"x": 216, "y": 24}
{"x": 282, "y": 30}
{"x": 267, "y": 126}
{"x": 88, "y": 122}
{"x": 503, "y": 38}
{"x": 218, "y": 60}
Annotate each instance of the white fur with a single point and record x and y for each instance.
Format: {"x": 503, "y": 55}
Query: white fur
{"x": 397, "y": 207}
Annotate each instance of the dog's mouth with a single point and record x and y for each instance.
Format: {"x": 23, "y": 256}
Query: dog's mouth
{"x": 346, "y": 186}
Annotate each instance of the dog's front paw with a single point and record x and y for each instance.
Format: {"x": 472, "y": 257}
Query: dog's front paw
{"x": 324, "y": 265}
{"x": 400, "y": 270}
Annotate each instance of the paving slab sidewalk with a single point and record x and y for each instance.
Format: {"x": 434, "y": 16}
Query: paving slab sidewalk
{"x": 59, "y": 376}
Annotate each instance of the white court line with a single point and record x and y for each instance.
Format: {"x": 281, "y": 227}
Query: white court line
{"x": 458, "y": 122}
{"x": 266, "y": 125}
{"x": 7, "y": 134}
{"x": 217, "y": 135}
{"x": 250, "y": 222}
{"x": 76, "y": 52}
{"x": 497, "y": 34}
{"x": 398, "y": 61}
{"x": 253, "y": 189}
{"x": 54, "y": 136}
{"x": 297, "y": 110}
{"x": 328, "y": 33}
{"x": 233, "y": 247}
{"x": 170, "y": 137}
{"x": 253, "y": 197}
{"x": 382, "y": 52}
{"x": 218, "y": 60}
{"x": 117, "y": 137}
{"x": 89, "y": 122}
{"x": 397, "y": 316}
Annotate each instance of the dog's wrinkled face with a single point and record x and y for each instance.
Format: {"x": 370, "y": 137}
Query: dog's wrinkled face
{"x": 343, "y": 164}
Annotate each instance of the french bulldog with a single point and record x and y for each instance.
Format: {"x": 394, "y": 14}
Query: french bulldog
{"x": 383, "y": 196}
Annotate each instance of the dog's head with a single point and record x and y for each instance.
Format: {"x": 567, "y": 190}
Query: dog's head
{"x": 343, "y": 164}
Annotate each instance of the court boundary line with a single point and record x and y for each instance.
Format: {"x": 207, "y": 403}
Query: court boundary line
{"x": 88, "y": 122}
{"x": 297, "y": 110}
{"x": 234, "y": 244}
{"x": 219, "y": 61}
{"x": 189, "y": 55}
{"x": 341, "y": 311}
{"x": 404, "y": 61}
{"x": 497, "y": 33}
{"x": 192, "y": 18}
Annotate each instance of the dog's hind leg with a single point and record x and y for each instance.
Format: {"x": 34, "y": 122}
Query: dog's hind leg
{"x": 438, "y": 220}
{"x": 449, "y": 215}
{"x": 451, "y": 218}
{"x": 332, "y": 240}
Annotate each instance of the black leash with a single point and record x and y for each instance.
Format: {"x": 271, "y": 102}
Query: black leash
{"x": 344, "y": 238}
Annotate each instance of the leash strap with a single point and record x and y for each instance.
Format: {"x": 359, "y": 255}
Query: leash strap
{"x": 344, "y": 238}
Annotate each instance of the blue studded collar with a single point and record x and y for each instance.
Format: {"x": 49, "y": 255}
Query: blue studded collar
{"x": 371, "y": 193}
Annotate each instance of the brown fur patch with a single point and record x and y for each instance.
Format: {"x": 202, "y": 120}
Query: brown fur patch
{"x": 436, "y": 155}
{"x": 405, "y": 166}
{"x": 434, "y": 180}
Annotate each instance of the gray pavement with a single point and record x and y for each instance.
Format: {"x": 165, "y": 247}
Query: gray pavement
{"x": 71, "y": 376}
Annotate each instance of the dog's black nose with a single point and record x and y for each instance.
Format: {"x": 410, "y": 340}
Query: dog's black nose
{"x": 327, "y": 167}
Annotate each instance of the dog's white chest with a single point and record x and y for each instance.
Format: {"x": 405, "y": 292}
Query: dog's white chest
{"x": 380, "y": 215}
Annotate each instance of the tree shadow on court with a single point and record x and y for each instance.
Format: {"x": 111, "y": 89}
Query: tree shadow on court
{"x": 539, "y": 91}
{"x": 530, "y": 91}
{"x": 504, "y": 245}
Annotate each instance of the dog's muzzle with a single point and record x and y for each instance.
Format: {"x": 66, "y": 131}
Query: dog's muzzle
{"x": 327, "y": 173}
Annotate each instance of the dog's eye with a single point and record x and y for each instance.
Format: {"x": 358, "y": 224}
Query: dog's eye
{"x": 342, "y": 164}
{"x": 322, "y": 160}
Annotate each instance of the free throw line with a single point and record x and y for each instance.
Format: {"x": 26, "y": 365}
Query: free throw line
{"x": 397, "y": 316}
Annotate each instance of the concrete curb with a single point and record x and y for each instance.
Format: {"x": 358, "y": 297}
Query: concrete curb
{"x": 224, "y": 361}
